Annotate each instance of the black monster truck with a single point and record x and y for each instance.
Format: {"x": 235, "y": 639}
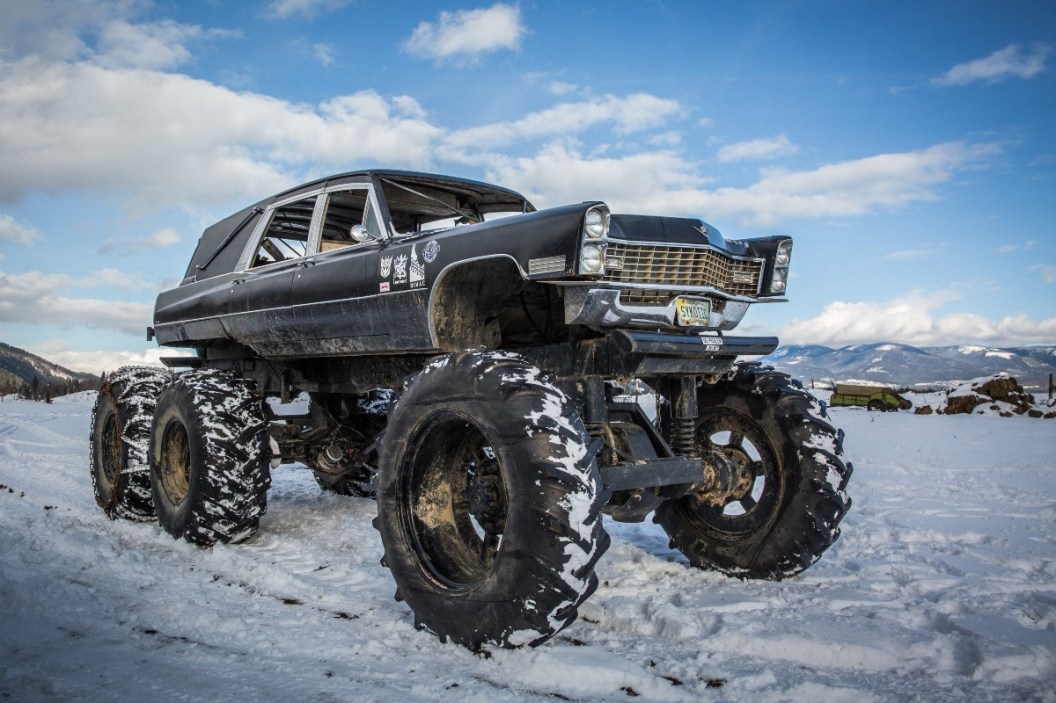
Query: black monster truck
{"x": 500, "y": 377}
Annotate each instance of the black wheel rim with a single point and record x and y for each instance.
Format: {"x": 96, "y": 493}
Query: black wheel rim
{"x": 453, "y": 502}
{"x": 110, "y": 457}
{"x": 174, "y": 469}
{"x": 741, "y": 440}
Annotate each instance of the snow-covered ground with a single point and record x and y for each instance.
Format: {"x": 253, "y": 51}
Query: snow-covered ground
{"x": 942, "y": 588}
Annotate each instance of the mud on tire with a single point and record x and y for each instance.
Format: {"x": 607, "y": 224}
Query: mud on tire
{"x": 794, "y": 497}
{"x": 119, "y": 437}
{"x": 489, "y": 505}
{"x": 209, "y": 458}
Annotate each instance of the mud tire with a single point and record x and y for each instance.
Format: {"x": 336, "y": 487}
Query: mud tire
{"x": 118, "y": 442}
{"x": 796, "y": 459}
{"x": 209, "y": 458}
{"x": 461, "y": 413}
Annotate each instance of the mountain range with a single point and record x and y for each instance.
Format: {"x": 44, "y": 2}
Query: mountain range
{"x": 18, "y": 367}
{"x": 901, "y": 364}
{"x": 895, "y": 364}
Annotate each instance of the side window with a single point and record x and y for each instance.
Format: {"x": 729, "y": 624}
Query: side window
{"x": 287, "y": 234}
{"x": 345, "y": 210}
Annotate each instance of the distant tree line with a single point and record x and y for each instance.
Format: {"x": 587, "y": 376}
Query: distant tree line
{"x": 45, "y": 389}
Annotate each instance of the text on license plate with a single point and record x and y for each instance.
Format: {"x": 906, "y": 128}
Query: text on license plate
{"x": 693, "y": 311}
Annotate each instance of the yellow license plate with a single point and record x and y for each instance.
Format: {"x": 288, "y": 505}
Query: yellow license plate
{"x": 693, "y": 312}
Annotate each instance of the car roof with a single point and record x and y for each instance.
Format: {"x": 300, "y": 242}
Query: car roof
{"x": 484, "y": 194}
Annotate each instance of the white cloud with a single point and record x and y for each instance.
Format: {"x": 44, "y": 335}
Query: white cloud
{"x": 159, "y": 239}
{"x": 664, "y": 182}
{"x": 1009, "y": 248}
{"x": 115, "y": 278}
{"x": 14, "y": 231}
{"x": 33, "y": 298}
{"x": 73, "y": 126}
{"x": 923, "y": 252}
{"x": 53, "y": 29}
{"x": 1011, "y": 62}
{"x": 1048, "y": 272}
{"x": 284, "y": 9}
{"x": 914, "y": 319}
{"x": 324, "y": 53}
{"x": 627, "y": 114}
{"x": 468, "y": 34}
{"x": 561, "y": 87}
{"x": 151, "y": 46}
{"x": 757, "y": 149}
{"x": 559, "y": 174}
{"x": 96, "y": 362}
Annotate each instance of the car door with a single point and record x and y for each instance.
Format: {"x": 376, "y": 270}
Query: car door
{"x": 336, "y": 289}
{"x": 261, "y": 313}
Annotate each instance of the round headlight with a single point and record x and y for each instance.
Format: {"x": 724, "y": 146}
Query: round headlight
{"x": 778, "y": 281}
{"x": 594, "y": 224}
{"x": 591, "y": 259}
{"x": 784, "y": 253}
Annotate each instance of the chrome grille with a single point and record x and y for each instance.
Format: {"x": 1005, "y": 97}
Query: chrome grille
{"x": 681, "y": 267}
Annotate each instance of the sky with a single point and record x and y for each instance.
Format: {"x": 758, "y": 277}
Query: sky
{"x": 907, "y": 147}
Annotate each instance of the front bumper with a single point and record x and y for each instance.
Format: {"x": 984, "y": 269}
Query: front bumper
{"x": 601, "y": 307}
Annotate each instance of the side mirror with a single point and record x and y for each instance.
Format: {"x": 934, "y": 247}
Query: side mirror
{"x": 360, "y": 234}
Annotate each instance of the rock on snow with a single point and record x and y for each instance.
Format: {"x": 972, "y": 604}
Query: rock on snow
{"x": 942, "y": 588}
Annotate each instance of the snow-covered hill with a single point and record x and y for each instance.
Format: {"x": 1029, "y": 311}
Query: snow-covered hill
{"x": 18, "y": 366}
{"x": 942, "y": 588}
{"x": 902, "y": 364}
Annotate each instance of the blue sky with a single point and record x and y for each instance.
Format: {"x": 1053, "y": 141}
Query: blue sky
{"x": 908, "y": 147}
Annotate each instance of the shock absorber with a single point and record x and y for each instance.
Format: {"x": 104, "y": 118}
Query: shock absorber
{"x": 684, "y": 414}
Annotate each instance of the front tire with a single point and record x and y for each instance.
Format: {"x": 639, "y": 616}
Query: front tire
{"x": 489, "y": 503}
{"x": 121, "y": 420}
{"x": 789, "y": 508}
{"x": 209, "y": 458}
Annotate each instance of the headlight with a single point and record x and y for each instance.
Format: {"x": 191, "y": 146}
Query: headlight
{"x": 782, "y": 257}
{"x": 591, "y": 259}
{"x": 779, "y": 281}
{"x": 596, "y": 223}
{"x": 784, "y": 254}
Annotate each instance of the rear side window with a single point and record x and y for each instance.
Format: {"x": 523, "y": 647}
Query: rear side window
{"x": 286, "y": 236}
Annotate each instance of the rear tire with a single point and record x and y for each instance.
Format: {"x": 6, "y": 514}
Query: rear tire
{"x": 121, "y": 420}
{"x": 789, "y": 512}
{"x": 209, "y": 458}
{"x": 489, "y": 503}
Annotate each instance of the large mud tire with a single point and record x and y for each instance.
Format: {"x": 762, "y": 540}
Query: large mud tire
{"x": 780, "y": 435}
{"x": 489, "y": 503}
{"x": 118, "y": 442}
{"x": 209, "y": 458}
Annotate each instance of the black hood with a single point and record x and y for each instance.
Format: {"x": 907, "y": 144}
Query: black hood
{"x": 668, "y": 230}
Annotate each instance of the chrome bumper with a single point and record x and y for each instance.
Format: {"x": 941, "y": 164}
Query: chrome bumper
{"x": 601, "y": 307}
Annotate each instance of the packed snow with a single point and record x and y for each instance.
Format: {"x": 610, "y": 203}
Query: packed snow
{"x": 942, "y": 588}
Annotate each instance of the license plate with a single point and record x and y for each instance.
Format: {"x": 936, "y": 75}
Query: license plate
{"x": 693, "y": 312}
